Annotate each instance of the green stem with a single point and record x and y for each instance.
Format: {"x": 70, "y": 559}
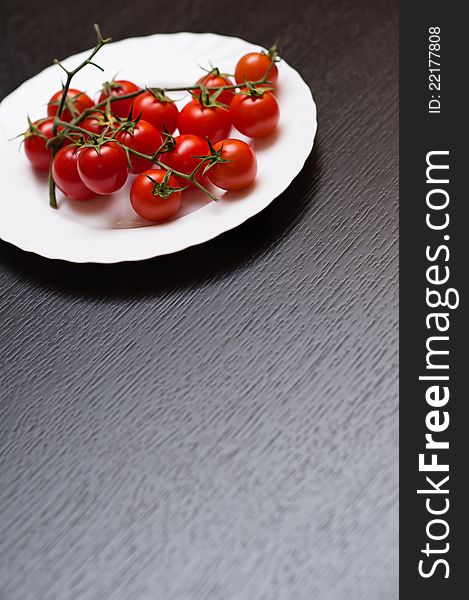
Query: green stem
{"x": 89, "y": 111}
{"x": 188, "y": 88}
{"x": 52, "y": 195}
{"x": 71, "y": 74}
{"x": 150, "y": 157}
{"x": 66, "y": 87}
{"x": 191, "y": 88}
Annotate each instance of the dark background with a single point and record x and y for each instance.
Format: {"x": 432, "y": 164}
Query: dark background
{"x": 222, "y": 423}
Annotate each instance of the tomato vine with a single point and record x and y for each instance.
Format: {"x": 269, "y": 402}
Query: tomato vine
{"x": 70, "y": 131}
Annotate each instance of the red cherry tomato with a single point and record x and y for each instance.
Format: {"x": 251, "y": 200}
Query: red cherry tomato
{"x": 97, "y": 123}
{"x": 253, "y": 67}
{"x": 92, "y": 124}
{"x": 214, "y": 79}
{"x": 240, "y": 171}
{"x": 148, "y": 203}
{"x": 143, "y": 138}
{"x": 162, "y": 115}
{"x": 65, "y": 173}
{"x": 255, "y": 116}
{"x": 120, "y": 87}
{"x": 103, "y": 170}
{"x": 182, "y": 157}
{"x": 75, "y": 104}
{"x": 213, "y": 122}
{"x": 35, "y": 145}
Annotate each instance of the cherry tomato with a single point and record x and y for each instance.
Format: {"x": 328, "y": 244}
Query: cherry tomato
{"x": 35, "y": 145}
{"x": 97, "y": 123}
{"x": 75, "y": 103}
{"x": 143, "y": 138}
{"x": 103, "y": 170}
{"x": 162, "y": 115}
{"x": 240, "y": 171}
{"x": 182, "y": 157}
{"x": 148, "y": 203}
{"x": 66, "y": 176}
{"x": 253, "y": 67}
{"x": 255, "y": 116}
{"x": 120, "y": 87}
{"x": 213, "y": 122}
{"x": 214, "y": 79}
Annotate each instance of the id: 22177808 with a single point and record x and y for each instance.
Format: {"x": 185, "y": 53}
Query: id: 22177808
{"x": 434, "y": 86}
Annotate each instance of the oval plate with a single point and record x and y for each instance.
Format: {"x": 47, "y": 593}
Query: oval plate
{"x": 106, "y": 230}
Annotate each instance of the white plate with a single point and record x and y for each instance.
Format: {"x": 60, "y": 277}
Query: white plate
{"x": 106, "y": 230}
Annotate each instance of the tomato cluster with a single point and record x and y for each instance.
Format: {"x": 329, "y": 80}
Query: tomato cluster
{"x": 92, "y": 147}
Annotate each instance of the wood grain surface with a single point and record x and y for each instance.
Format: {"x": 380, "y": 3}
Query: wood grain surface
{"x": 219, "y": 424}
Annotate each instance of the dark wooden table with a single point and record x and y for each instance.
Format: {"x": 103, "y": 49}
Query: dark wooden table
{"x": 222, "y": 423}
